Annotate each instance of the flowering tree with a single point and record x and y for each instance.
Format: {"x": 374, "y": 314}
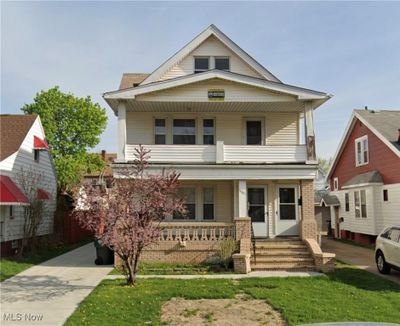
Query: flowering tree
{"x": 126, "y": 217}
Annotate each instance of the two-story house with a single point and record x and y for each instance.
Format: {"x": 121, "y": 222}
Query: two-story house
{"x": 365, "y": 176}
{"x": 232, "y": 130}
{"x": 26, "y": 174}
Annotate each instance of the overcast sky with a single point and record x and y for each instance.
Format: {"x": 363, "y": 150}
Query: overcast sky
{"x": 351, "y": 50}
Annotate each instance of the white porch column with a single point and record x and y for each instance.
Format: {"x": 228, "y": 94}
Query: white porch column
{"x": 242, "y": 198}
{"x": 121, "y": 132}
{"x": 310, "y": 134}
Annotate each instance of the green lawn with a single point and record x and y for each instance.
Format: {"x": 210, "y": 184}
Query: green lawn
{"x": 348, "y": 294}
{"x": 10, "y": 267}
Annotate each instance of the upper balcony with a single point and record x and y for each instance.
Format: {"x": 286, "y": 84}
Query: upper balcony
{"x": 222, "y": 154}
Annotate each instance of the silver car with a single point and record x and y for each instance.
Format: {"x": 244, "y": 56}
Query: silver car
{"x": 387, "y": 249}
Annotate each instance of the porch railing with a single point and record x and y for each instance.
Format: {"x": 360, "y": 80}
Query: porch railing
{"x": 196, "y": 231}
{"x": 221, "y": 153}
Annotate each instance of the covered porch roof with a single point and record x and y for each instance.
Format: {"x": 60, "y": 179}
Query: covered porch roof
{"x": 189, "y": 94}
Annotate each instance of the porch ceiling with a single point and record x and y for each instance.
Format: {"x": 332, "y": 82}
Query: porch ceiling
{"x": 173, "y": 106}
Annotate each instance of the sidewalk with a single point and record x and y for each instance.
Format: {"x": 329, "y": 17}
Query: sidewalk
{"x": 258, "y": 274}
{"x": 47, "y": 294}
{"x": 360, "y": 257}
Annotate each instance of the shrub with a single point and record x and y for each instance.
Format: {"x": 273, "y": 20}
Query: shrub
{"x": 226, "y": 249}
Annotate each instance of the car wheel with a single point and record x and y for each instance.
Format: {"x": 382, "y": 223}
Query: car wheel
{"x": 383, "y": 267}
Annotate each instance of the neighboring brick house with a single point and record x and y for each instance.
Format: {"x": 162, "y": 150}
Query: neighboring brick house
{"x": 365, "y": 176}
{"x": 232, "y": 130}
{"x": 23, "y": 148}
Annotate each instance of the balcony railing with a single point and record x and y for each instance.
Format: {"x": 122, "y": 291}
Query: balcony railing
{"x": 222, "y": 153}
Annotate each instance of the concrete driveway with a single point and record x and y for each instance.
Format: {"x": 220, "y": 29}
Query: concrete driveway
{"x": 47, "y": 294}
{"x": 357, "y": 256}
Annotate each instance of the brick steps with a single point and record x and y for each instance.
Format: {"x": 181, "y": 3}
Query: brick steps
{"x": 281, "y": 255}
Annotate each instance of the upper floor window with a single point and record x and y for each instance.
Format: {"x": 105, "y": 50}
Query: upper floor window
{"x": 335, "y": 183}
{"x": 201, "y": 64}
{"x": 222, "y": 64}
{"x": 362, "y": 154}
{"x": 160, "y": 131}
{"x": 208, "y": 132}
{"x": 184, "y": 132}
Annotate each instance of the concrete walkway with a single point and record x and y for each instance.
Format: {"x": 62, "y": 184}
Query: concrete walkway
{"x": 47, "y": 294}
{"x": 258, "y": 274}
{"x": 360, "y": 257}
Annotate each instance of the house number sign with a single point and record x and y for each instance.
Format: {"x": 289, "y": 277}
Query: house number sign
{"x": 216, "y": 94}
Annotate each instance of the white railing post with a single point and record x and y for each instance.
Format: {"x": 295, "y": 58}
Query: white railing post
{"x": 220, "y": 155}
{"x": 121, "y": 132}
{"x": 242, "y": 200}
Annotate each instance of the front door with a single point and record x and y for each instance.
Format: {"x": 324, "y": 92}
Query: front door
{"x": 287, "y": 219}
{"x": 257, "y": 204}
{"x": 253, "y": 132}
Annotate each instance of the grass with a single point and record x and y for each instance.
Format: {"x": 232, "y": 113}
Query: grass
{"x": 10, "y": 266}
{"x": 176, "y": 269}
{"x": 347, "y": 294}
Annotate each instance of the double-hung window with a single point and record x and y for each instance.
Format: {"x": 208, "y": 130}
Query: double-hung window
{"x": 208, "y": 203}
{"x": 362, "y": 154}
{"x": 160, "y": 131}
{"x": 347, "y": 202}
{"x": 184, "y": 132}
{"x": 360, "y": 203}
{"x": 208, "y": 132}
{"x": 188, "y": 194}
{"x": 201, "y": 64}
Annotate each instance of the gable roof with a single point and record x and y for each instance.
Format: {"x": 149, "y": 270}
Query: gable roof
{"x": 385, "y": 124}
{"x": 129, "y": 80}
{"x": 13, "y": 130}
{"x": 193, "y": 44}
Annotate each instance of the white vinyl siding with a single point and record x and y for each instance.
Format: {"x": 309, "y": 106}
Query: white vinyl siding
{"x": 279, "y": 128}
{"x": 12, "y": 165}
{"x": 379, "y": 214}
{"x": 211, "y": 47}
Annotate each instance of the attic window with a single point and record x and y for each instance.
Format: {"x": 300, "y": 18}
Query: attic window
{"x": 201, "y": 64}
{"x": 222, "y": 64}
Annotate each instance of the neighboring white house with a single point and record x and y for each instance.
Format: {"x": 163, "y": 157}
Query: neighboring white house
{"x": 232, "y": 130}
{"x": 23, "y": 148}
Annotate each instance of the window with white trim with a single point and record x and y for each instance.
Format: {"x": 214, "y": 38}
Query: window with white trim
{"x": 208, "y": 132}
{"x": 362, "y": 153}
{"x": 184, "y": 132}
{"x": 188, "y": 194}
{"x": 201, "y": 64}
{"x": 360, "y": 203}
{"x": 160, "y": 131}
{"x": 222, "y": 63}
{"x": 335, "y": 183}
{"x": 208, "y": 203}
{"x": 346, "y": 202}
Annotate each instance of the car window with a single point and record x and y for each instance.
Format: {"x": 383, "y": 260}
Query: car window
{"x": 395, "y": 235}
{"x": 386, "y": 234}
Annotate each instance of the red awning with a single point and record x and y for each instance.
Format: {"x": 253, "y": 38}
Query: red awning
{"x": 10, "y": 193}
{"x": 42, "y": 194}
{"x": 39, "y": 143}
